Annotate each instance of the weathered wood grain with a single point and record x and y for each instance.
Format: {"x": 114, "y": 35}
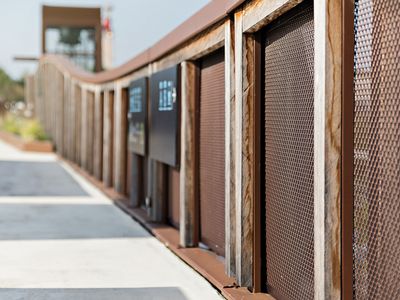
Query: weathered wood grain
{"x": 120, "y": 136}
{"x": 230, "y": 207}
{"x": 84, "y": 129}
{"x": 98, "y": 135}
{"x": 244, "y": 152}
{"x": 108, "y": 134}
{"x": 327, "y": 148}
{"x": 188, "y": 200}
{"x": 90, "y": 131}
{"x": 257, "y": 14}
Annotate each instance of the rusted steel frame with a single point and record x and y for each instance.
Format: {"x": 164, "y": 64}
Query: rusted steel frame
{"x": 347, "y": 147}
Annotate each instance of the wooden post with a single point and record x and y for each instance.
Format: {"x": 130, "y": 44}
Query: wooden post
{"x": 244, "y": 152}
{"x": 84, "y": 128}
{"x": 64, "y": 116}
{"x": 78, "y": 127}
{"x": 73, "y": 125}
{"x": 188, "y": 184}
{"x": 120, "y": 134}
{"x": 230, "y": 210}
{"x": 108, "y": 138}
{"x": 327, "y": 148}
{"x": 90, "y": 131}
{"x": 98, "y": 135}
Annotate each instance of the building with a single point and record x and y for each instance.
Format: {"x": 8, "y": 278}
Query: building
{"x": 75, "y": 33}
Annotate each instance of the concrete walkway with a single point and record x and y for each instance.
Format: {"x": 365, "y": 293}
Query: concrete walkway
{"x": 60, "y": 238}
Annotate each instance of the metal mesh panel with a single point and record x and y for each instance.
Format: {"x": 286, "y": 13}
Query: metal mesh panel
{"x": 376, "y": 235}
{"x": 212, "y": 153}
{"x": 289, "y": 156}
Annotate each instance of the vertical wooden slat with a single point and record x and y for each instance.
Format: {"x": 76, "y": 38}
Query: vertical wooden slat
{"x": 98, "y": 135}
{"x": 90, "y": 131}
{"x": 244, "y": 152}
{"x": 188, "y": 202}
{"x": 230, "y": 211}
{"x": 327, "y": 148}
{"x": 84, "y": 128}
{"x": 78, "y": 127}
{"x": 108, "y": 134}
{"x": 120, "y": 134}
{"x": 72, "y": 97}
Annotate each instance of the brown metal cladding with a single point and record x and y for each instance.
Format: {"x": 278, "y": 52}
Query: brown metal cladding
{"x": 376, "y": 233}
{"x": 289, "y": 155}
{"x": 173, "y": 196}
{"x": 212, "y": 152}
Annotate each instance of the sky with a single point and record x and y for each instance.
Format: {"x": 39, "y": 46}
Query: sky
{"x": 137, "y": 24}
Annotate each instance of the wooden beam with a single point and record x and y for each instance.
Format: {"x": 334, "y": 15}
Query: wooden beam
{"x": 327, "y": 148}
{"x": 258, "y": 14}
{"x": 203, "y": 45}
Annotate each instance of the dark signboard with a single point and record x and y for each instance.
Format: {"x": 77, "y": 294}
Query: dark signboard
{"x": 137, "y": 116}
{"x": 164, "y": 113}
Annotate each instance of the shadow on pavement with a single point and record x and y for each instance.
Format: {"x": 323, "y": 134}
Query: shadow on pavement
{"x": 25, "y": 178}
{"x": 164, "y": 293}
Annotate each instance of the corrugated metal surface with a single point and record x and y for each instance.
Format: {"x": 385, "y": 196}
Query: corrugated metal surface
{"x": 376, "y": 235}
{"x": 173, "y": 196}
{"x": 212, "y": 152}
{"x": 289, "y": 155}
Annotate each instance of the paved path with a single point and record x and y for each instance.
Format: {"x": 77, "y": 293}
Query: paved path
{"x": 60, "y": 238}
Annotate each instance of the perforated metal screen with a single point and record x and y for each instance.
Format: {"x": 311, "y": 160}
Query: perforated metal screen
{"x": 212, "y": 152}
{"x": 289, "y": 155}
{"x": 376, "y": 235}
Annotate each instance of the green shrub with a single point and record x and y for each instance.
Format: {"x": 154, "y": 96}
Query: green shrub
{"x": 28, "y": 129}
{"x": 32, "y": 130}
{"x": 11, "y": 124}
